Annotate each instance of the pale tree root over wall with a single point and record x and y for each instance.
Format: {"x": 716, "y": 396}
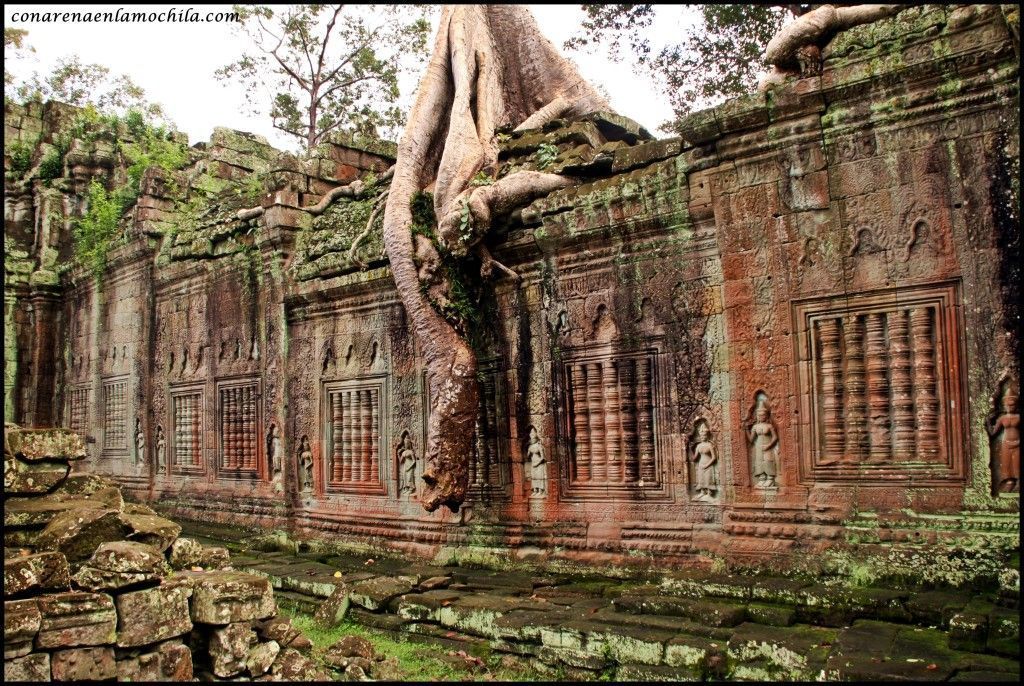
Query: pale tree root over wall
{"x": 490, "y": 69}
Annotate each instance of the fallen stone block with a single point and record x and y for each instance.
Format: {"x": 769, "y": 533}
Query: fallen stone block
{"x": 83, "y": 485}
{"x": 83, "y": 664}
{"x": 121, "y": 564}
{"x": 291, "y": 665}
{"x": 78, "y": 532}
{"x": 153, "y": 615}
{"x": 333, "y": 610}
{"x": 21, "y": 624}
{"x": 76, "y": 619}
{"x": 38, "y": 573}
{"x": 229, "y": 597}
{"x": 33, "y": 445}
{"x": 36, "y": 478}
{"x": 170, "y": 661}
{"x": 656, "y": 673}
{"x": 229, "y": 649}
{"x": 283, "y": 633}
{"x": 34, "y": 667}
{"x": 353, "y": 646}
{"x": 214, "y": 557}
{"x": 185, "y": 553}
{"x": 375, "y": 594}
{"x": 261, "y": 658}
{"x": 151, "y": 530}
{"x": 39, "y": 511}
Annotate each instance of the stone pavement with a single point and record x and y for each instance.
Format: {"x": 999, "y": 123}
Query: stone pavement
{"x": 687, "y": 625}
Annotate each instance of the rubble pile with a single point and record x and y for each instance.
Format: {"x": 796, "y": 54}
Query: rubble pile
{"x": 97, "y": 588}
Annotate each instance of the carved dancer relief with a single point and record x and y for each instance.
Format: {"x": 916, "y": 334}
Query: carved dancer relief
{"x": 406, "y": 465}
{"x": 1005, "y": 444}
{"x": 538, "y": 465}
{"x": 305, "y": 465}
{"x": 354, "y": 433}
{"x": 161, "y": 451}
{"x": 705, "y": 460}
{"x": 140, "y": 443}
{"x": 764, "y": 444}
{"x": 275, "y": 452}
{"x": 610, "y": 415}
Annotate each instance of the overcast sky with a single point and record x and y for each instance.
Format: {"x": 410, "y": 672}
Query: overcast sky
{"x": 174, "y": 62}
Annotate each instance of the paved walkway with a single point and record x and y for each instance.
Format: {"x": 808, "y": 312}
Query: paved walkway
{"x": 684, "y": 626}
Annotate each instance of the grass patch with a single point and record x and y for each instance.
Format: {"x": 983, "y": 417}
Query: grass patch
{"x": 416, "y": 661}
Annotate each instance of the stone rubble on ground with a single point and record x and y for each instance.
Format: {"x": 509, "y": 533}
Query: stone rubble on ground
{"x": 96, "y": 588}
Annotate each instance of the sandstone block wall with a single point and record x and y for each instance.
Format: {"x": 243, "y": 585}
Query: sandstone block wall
{"x": 793, "y": 328}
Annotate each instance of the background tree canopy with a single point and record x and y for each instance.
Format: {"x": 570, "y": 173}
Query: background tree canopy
{"x": 322, "y": 68}
{"x": 720, "y": 57}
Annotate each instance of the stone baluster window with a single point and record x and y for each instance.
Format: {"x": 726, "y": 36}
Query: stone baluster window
{"x": 354, "y": 422}
{"x": 187, "y": 431}
{"x": 115, "y": 431}
{"x": 238, "y": 410}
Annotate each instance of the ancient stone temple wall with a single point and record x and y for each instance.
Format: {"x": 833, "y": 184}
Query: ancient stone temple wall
{"x": 790, "y": 329}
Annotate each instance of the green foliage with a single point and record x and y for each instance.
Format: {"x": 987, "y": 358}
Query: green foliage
{"x": 719, "y": 56}
{"x": 328, "y": 67}
{"x": 97, "y": 232}
{"x": 52, "y": 165}
{"x": 546, "y": 155}
{"x": 152, "y": 147}
{"x": 465, "y": 222}
{"x": 20, "y": 153}
{"x": 424, "y": 222}
{"x": 481, "y": 178}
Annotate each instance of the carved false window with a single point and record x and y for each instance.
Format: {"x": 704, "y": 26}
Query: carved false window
{"x": 610, "y": 407}
{"x": 186, "y": 451}
{"x": 354, "y": 414}
{"x": 880, "y": 377}
{"x": 78, "y": 410}
{"x": 238, "y": 429}
{"x": 115, "y": 422}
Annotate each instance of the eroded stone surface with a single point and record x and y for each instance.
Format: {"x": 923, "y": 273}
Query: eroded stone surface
{"x": 36, "y": 573}
{"x": 226, "y": 597}
{"x": 34, "y": 667}
{"x": 229, "y": 648}
{"x": 120, "y": 564}
{"x": 153, "y": 615}
{"x": 76, "y": 619}
{"x": 21, "y": 624}
{"x": 83, "y": 664}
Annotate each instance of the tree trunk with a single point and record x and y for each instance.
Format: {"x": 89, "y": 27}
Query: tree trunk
{"x": 490, "y": 68}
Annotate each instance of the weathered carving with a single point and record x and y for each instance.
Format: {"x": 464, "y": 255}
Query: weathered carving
{"x": 353, "y": 436}
{"x": 115, "y": 429}
{"x": 239, "y": 428}
{"x": 1005, "y": 432}
{"x": 305, "y": 465}
{"x": 538, "y": 465}
{"x": 877, "y": 382}
{"x": 140, "y": 443}
{"x": 275, "y": 451}
{"x": 161, "y": 450}
{"x": 610, "y": 416}
{"x": 186, "y": 440}
{"x": 764, "y": 443}
{"x": 705, "y": 459}
{"x": 406, "y": 465}
{"x": 78, "y": 410}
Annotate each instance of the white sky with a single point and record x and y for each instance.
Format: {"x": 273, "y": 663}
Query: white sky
{"x": 174, "y": 62}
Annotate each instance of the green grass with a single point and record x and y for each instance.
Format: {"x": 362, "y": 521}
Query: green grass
{"x": 417, "y": 661}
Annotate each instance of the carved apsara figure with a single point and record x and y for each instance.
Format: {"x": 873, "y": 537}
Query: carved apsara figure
{"x": 305, "y": 465}
{"x": 140, "y": 442}
{"x": 538, "y": 465}
{"x": 406, "y": 465}
{"x": 764, "y": 443}
{"x": 274, "y": 449}
{"x": 1005, "y": 431}
{"x": 161, "y": 450}
{"x": 706, "y": 460}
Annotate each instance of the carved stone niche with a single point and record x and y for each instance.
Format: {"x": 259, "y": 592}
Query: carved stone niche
{"x": 490, "y": 464}
{"x": 1003, "y": 426}
{"x": 115, "y": 417}
{"x": 609, "y": 425}
{"x": 239, "y": 429}
{"x": 354, "y": 417}
{"x": 187, "y": 418}
{"x": 880, "y": 377}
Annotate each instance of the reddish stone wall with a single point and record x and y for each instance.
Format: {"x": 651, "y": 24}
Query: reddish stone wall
{"x": 782, "y": 330}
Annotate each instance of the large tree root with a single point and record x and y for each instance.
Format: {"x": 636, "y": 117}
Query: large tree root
{"x": 815, "y": 28}
{"x": 490, "y": 68}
